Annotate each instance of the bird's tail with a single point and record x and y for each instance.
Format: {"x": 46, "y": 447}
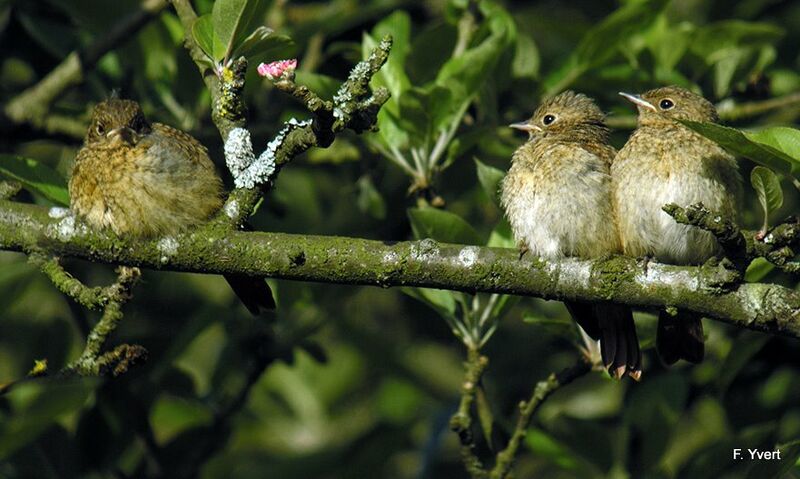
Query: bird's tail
{"x": 255, "y": 293}
{"x": 613, "y": 325}
{"x": 680, "y": 336}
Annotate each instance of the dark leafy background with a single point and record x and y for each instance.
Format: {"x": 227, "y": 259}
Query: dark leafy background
{"x": 378, "y": 405}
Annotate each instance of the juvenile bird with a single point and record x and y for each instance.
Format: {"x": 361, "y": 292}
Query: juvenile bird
{"x": 665, "y": 162}
{"x": 149, "y": 180}
{"x": 557, "y": 197}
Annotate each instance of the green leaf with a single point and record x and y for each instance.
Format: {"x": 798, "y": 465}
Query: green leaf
{"x": 262, "y": 45}
{"x": 768, "y": 189}
{"x": 490, "y": 178}
{"x": 36, "y": 177}
{"x": 233, "y": 20}
{"x": 742, "y": 144}
{"x": 369, "y": 199}
{"x": 203, "y": 33}
{"x": 526, "y": 58}
{"x": 782, "y": 138}
{"x": 465, "y": 74}
{"x": 601, "y": 43}
{"x": 442, "y": 226}
{"x": 392, "y": 75}
{"x": 425, "y": 112}
{"x": 35, "y": 406}
{"x": 735, "y": 46}
{"x": 441, "y": 301}
{"x": 485, "y": 415}
{"x": 744, "y": 347}
{"x": 757, "y": 270}
{"x": 323, "y": 85}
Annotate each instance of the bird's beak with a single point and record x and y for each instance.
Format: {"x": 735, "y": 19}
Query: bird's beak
{"x": 124, "y": 134}
{"x": 525, "y": 126}
{"x": 639, "y": 101}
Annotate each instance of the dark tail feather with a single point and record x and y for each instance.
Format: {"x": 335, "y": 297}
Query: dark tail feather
{"x": 583, "y": 314}
{"x": 253, "y": 292}
{"x": 680, "y": 337}
{"x": 613, "y": 325}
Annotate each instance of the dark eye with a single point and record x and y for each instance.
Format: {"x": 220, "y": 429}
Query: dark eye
{"x": 100, "y": 129}
{"x": 666, "y": 104}
{"x": 548, "y": 119}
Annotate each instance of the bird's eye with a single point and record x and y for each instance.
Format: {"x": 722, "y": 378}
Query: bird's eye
{"x": 666, "y": 104}
{"x": 548, "y": 119}
{"x": 100, "y": 129}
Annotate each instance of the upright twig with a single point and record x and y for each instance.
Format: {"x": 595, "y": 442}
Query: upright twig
{"x": 543, "y": 390}
{"x": 461, "y": 422}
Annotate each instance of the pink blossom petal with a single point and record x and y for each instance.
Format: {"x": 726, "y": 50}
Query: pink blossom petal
{"x": 279, "y": 69}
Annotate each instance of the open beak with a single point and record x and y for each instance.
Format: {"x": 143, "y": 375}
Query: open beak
{"x": 639, "y": 101}
{"x": 525, "y": 126}
{"x": 124, "y": 134}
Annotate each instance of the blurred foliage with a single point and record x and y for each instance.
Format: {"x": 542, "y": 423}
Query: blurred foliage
{"x": 377, "y": 373}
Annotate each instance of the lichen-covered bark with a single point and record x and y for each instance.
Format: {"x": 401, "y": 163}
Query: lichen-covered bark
{"x": 709, "y": 290}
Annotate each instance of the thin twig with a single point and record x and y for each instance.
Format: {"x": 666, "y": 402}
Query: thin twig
{"x": 461, "y": 422}
{"x": 543, "y": 390}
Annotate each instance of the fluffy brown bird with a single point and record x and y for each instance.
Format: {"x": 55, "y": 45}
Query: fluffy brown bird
{"x": 557, "y": 197}
{"x": 665, "y": 162}
{"x": 149, "y": 180}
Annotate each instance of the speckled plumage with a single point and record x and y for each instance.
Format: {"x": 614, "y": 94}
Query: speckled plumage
{"x": 149, "y": 180}
{"x": 141, "y": 179}
{"x": 557, "y": 197}
{"x": 665, "y": 162}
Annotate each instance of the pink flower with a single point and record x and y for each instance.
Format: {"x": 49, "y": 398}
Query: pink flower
{"x": 278, "y": 70}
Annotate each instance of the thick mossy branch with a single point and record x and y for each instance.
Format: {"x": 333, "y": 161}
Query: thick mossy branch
{"x": 763, "y": 307}
{"x": 543, "y": 390}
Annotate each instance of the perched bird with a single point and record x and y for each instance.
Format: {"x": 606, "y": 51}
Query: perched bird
{"x": 665, "y": 162}
{"x": 557, "y": 197}
{"x": 149, "y": 180}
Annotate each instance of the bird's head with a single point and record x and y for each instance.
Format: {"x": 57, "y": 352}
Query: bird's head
{"x": 568, "y": 113}
{"x": 117, "y": 122}
{"x": 663, "y": 105}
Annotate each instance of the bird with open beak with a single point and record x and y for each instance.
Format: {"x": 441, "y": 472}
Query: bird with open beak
{"x": 557, "y": 197}
{"x": 665, "y": 162}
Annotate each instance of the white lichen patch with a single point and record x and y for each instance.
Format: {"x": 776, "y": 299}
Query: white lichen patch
{"x": 232, "y": 209}
{"x": 247, "y": 171}
{"x": 66, "y": 229}
{"x": 468, "y": 256}
{"x": 574, "y": 273}
{"x": 238, "y": 152}
{"x": 657, "y": 275}
{"x": 57, "y": 212}
{"x": 390, "y": 257}
{"x": 168, "y": 246}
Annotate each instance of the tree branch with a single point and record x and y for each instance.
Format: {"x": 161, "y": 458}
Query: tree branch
{"x": 709, "y": 290}
{"x": 33, "y": 105}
